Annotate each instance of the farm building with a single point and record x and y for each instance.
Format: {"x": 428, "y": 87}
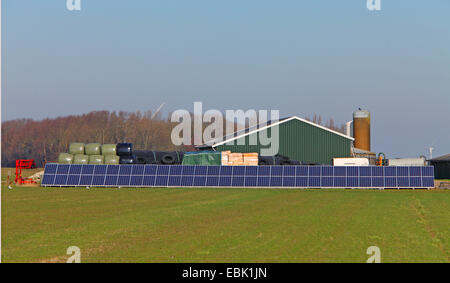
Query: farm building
{"x": 299, "y": 139}
{"x": 441, "y": 166}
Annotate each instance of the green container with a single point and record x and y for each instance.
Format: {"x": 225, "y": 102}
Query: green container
{"x": 111, "y": 159}
{"x": 93, "y": 149}
{"x": 65, "y": 158}
{"x": 96, "y": 159}
{"x": 76, "y": 148}
{"x": 109, "y": 149}
{"x": 81, "y": 159}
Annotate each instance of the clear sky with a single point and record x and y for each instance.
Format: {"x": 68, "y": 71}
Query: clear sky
{"x": 300, "y": 57}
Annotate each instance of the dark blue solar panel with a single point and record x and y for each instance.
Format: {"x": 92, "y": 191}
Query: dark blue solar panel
{"x": 51, "y": 168}
{"x": 251, "y": 181}
{"x": 174, "y": 181}
{"x": 340, "y": 171}
{"x": 365, "y": 171}
{"x": 63, "y": 169}
{"x": 238, "y": 170}
{"x": 48, "y": 179}
{"x": 73, "y": 180}
{"x": 402, "y": 171}
{"x": 327, "y": 181}
{"x": 263, "y": 181}
{"x": 61, "y": 180}
{"x": 352, "y": 182}
{"x": 163, "y": 170}
{"x": 403, "y": 182}
{"x": 339, "y": 182}
{"x": 212, "y": 181}
{"x": 276, "y": 181}
{"x": 188, "y": 170}
{"x": 199, "y": 181}
{"x": 87, "y": 169}
{"x": 100, "y": 169}
{"x": 301, "y": 182}
{"x": 201, "y": 170}
{"x": 75, "y": 169}
{"x": 365, "y": 182}
{"x": 85, "y": 180}
{"x": 377, "y": 171}
{"x": 225, "y": 181}
{"x": 138, "y": 170}
{"x": 226, "y": 170}
{"x": 277, "y": 171}
{"x": 125, "y": 170}
{"x": 150, "y": 169}
{"x": 187, "y": 181}
{"x": 314, "y": 182}
{"x": 251, "y": 170}
{"x": 289, "y": 181}
{"x": 428, "y": 182}
{"x": 264, "y": 171}
{"x": 415, "y": 171}
{"x": 176, "y": 170}
{"x": 237, "y": 181}
{"x": 289, "y": 171}
{"x": 112, "y": 170}
{"x": 111, "y": 180}
{"x": 428, "y": 171}
{"x": 136, "y": 180}
{"x": 98, "y": 180}
{"x": 314, "y": 171}
{"x": 415, "y": 182}
{"x": 327, "y": 171}
{"x": 161, "y": 181}
{"x": 149, "y": 180}
{"x": 123, "y": 180}
{"x": 390, "y": 182}
{"x": 378, "y": 182}
{"x": 352, "y": 171}
{"x": 390, "y": 171}
{"x": 213, "y": 170}
{"x": 302, "y": 171}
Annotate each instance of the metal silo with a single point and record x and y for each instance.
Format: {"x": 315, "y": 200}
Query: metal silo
{"x": 361, "y": 129}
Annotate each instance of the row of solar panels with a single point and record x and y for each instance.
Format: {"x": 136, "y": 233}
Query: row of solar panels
{"x": 237, "y": 176}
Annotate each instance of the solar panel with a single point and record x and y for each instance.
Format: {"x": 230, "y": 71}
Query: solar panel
{"x": 139, "y": 175}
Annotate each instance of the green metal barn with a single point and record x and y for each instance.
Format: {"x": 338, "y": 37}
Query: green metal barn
{"x": 299, "y": 139}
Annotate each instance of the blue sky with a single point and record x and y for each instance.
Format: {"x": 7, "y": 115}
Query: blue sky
{"x": 300, "y": 57}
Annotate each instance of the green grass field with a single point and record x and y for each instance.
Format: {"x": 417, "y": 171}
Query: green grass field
{"x": 224, "y": 225}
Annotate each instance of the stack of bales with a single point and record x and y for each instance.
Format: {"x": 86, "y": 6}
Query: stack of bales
{"x": 91, "y": 153}
{"x": 236, "y": 159}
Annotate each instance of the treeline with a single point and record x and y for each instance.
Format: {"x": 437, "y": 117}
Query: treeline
{"x": 43, "y": 140}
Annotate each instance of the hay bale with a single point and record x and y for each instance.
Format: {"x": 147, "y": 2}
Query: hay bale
{"x": 65, "y": 158}
{"x": 96, "y": 159}
{"x": 111, "y": 159}
{"x": 109, "y": 149}
{"x": 76, "y": 148}
{"x": 81, "y": 159}
{"x": 93, "y": 149}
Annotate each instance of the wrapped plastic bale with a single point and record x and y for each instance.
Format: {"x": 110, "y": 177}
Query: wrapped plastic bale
{"x": 96, "y": 159}
{"x": 76, "y": 148}
{"x": 65, "y": 158}
{"x": 202, "y": 158}
{"x": 124, "y": 149}
{"x": 109, "y": 149}
{"x": 128, "y": 159}
{"x": 80, "y": 159}
{"x": 111, "y": 159}
{"x": 158, "y": 157}
{"x": 92, "y": 149}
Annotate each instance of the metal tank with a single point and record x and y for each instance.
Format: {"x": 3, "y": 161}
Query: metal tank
{"x": 361, "y": 129}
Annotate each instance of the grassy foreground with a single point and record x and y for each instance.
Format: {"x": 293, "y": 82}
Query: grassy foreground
{"x": 224, "y": 225}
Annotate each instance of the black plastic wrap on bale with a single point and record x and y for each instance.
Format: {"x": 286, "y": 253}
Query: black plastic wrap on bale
{"x": 124, "y": 149}
{"x": 159, "y": 157}
{"x": 131, "y": 159}
{"x": 277, "y": 160}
